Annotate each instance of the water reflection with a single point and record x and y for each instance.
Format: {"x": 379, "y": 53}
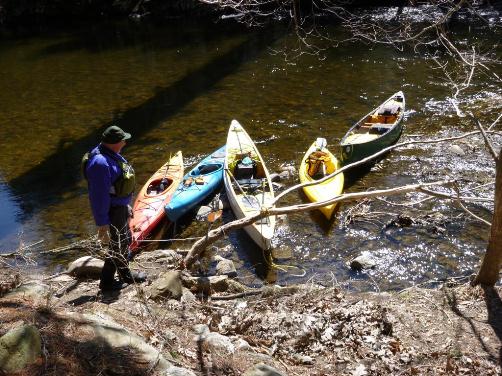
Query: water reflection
{"x": 9, "y": 219}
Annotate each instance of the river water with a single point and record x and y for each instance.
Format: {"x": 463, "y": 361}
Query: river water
{"x": 178, "y": 86}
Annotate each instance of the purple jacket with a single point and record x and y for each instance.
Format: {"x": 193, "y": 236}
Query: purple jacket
{"x": 102, "y": 171}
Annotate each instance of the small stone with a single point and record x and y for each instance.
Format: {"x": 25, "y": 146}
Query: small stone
{"x": 201, "y": 330}
{"x": 218, "y": 283}
{"x": 289, "y": 168}
{"x": 455, "y": 149}
{"x": 282, "y": 252}
{"x": 277, "y": 186}
{"x": 360, "y": 370}
{"x": 225, "y": 267}
{"x": 281, "y": 219}
{"x": 275, "y": 177}
{"x": 242, "y": 345}
{"x": 362, "y": 262}
{"x": 303, "y": 359}
{"x": 188, "y": 298}
{"x": 203, "y": 212}
{"x": 168, "y": 285}
{"x": 284, "y": 175}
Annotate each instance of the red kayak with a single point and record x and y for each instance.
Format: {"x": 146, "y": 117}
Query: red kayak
{"x": 148, "y": 209}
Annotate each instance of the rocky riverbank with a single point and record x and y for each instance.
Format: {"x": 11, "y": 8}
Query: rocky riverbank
{"x": 179, "y": 323}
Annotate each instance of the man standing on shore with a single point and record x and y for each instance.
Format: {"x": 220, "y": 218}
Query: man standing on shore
{"x": 111, "y": 184}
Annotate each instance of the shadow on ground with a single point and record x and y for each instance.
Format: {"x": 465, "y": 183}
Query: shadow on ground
{"x": 69, "y": 350}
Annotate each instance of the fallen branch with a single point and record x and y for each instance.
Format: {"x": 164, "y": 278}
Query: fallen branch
{"x": 199, "y": 246}
{"x": 487, "y": 140}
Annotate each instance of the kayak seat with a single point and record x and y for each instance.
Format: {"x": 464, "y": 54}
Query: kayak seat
{"x": 316, "y": 163}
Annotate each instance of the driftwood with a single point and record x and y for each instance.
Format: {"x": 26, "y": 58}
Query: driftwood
{"x": 218, "y": 233}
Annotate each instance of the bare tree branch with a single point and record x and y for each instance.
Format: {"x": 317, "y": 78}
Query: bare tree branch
{"x": 487, "y": 140}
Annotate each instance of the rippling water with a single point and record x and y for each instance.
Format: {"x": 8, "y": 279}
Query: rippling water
{"x": 179, "y": 86}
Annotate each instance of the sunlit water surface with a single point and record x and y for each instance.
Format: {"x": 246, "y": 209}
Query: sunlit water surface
{"x": 179, "y": 86}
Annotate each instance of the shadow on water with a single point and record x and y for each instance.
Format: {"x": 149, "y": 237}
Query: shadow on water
{"x": 129, "y": 34}
{"x": 324, "y": 224}
{"x": 59, "y": 173}
{"x": 354, "y": 175}
{"x": 250, "y": 253}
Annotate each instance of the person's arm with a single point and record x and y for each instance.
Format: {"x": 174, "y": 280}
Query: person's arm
{"x": 99, "y": 179}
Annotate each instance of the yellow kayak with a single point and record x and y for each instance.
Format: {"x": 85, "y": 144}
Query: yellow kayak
{"x": 317, "y": 163}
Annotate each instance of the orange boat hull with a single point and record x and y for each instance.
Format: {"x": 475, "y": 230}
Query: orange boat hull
{"x": 148, "y": 209}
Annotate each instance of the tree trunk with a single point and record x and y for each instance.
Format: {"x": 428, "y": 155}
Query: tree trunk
{"x": 490, "y": 267}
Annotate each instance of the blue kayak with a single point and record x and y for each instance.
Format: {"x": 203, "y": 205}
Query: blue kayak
{"x": 197, "y": 185}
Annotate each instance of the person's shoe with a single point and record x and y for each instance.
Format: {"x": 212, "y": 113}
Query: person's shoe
{"x": 136, "y": 277}
{"x": 114, "y": 286}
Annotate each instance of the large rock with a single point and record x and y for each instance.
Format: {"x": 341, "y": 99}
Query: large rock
{"x": 167, "y": 285}
{"x": 86, "y": 267}
{"x": 217, "y": 283}
{"x": 19, "y": 347}
{"x": 164, "y": 256}
{"x": 262, "y": 369}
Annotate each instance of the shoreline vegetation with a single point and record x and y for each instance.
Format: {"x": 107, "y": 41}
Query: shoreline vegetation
{"x": 45, "y": 14}
{"x": 179, "y": 324}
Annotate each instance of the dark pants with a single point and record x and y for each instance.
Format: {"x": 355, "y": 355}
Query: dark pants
{"x": 120, "y": 238}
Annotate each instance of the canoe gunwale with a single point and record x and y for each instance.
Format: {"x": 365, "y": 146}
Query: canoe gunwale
{"x": 353, "y": 152}
{"x": 261, "y": 237}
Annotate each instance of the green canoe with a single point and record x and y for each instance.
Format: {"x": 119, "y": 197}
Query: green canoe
{"x": 375, "y": 131}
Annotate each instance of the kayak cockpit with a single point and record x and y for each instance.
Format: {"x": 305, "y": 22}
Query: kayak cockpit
{"x": 206, "y": 169}
{"x": 158, "y": 186}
